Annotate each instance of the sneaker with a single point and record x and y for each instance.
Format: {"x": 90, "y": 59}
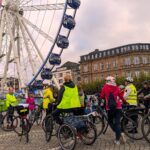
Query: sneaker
{"x": 117, "y": 142}
{"x": 123, "y": 138}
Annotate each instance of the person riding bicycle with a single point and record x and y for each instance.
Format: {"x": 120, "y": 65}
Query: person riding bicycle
{"x": 11, "y": 102}
{"x": 68, "y": 99}
{"x": 111, "y": 94}
{"x": 146, "y": 92}
{"x": 48, "y": 99}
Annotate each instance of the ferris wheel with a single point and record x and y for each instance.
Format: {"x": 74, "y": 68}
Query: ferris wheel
{"x": 33, "y": 35}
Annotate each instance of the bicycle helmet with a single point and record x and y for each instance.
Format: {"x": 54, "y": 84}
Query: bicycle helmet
{"x": 121, "y": 87}
{"x": 129, "y": 79}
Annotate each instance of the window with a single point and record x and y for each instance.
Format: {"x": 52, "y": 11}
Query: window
{"x": 85, "y": 79}
{"x": 96, "y": 56}
{"x": 147, "y": 47}
{"x": 100, "y": 54}
{"x": 137, "y": 73}
{"x": 95, "y": 77}
{"x": 117, "y": 51}
{"x": 85, "y": 68}
{"x": 92, "y": 57}
{"x": 95, "y": 67}
{"x": 144, "y": 60}
{"x": 127, "y": 61}
{"x": 60, "y": 75}
{"x": 104, "y": 54}
{"x": 114, "y": 63}
{"x": 136, "y": 47}
{"x": 101, "y": 66}
{"x": 146, "y": 73}
{"x": 112, "y": 52}
{"x": 60, "y": 81}
{"x": 108, "y": 65}
{"x": 133, "y": 47}
{"x": 84, "y": 57}
{"x": 136, "y": 60}
{"x": 121, "y": 50}
{"x": 128, "y": 74}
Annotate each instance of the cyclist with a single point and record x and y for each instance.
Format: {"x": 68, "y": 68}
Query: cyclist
{"x": 130, "y": 93}
{"x": 11, "y": 102}
{"x": 68, "y": 99}
{"x": 131, "y": 96}
{"x": 111, "y": 94}
{"x": 48, "y": 98}
{"x": 146, "y": 92}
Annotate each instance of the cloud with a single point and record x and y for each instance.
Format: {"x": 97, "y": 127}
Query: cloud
{"x": 105, "y": 24}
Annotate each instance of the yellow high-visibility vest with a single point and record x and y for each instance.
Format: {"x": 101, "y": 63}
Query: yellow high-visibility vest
{"x": 70, "y": 98}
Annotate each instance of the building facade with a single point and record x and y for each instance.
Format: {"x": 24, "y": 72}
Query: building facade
{"x": 128, "y": 60}
{"x": 70, "y": 68}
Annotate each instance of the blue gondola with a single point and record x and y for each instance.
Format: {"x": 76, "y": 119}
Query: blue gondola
{"x": 62, "y": 41}
{"x": 54, "y": 59}
{"x": 75, "y": 4}
{"x": 69, "y": 22}
{"x": 46, "y": 74}
{"x": 38, "y": 84}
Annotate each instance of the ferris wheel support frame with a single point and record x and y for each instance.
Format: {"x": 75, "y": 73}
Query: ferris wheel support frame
{"x": 16, "y": 57}
{"x": 1, "y": 30}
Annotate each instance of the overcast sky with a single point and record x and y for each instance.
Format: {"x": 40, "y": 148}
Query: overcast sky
{"x": 106, "y": 24}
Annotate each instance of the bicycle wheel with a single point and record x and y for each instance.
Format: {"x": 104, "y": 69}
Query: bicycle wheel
{"x": 131, "y": 126}
{"x": 7, "y": 123}
{"x": 146, "y": 127}
{"x": 87, "y": 134}
{"x": 38, "y": 117}
{"x": 66, "y": 137}
{"x": 48, "y": 127}
{"x": 23, "y": 126}
{"x": 99, "y": 124}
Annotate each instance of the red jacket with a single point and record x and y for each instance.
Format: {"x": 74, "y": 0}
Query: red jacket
{"x": 110, "y": 88}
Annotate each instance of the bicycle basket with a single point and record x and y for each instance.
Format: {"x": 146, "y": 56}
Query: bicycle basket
{"x": 22, "y": 111}
{"x": 75, "y": 122}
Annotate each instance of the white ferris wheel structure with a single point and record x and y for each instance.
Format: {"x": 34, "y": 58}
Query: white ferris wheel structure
{"x": 33, "y": 35}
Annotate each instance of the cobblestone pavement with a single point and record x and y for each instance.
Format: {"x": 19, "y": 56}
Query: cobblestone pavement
{"x": 10, "y": 141}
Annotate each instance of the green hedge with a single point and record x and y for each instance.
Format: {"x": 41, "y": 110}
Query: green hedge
{"x": 96, "y": 86}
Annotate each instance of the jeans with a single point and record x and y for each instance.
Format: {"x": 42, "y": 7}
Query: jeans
{"x": 114, "y": 121}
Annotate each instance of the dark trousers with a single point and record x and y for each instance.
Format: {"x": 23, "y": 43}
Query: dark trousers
{"x": 114, "y": 122}
{"x": 10, "y": 114}
{"x": 147, "y": 106}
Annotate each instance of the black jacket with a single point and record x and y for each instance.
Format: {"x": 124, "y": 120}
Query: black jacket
{"x": 144, "y": 91}
{"x": 62, "y": 89}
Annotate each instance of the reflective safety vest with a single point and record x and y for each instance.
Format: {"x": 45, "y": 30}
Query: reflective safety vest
{"x": 132, "y": 98}
{"x": 11, "y": 100}
{"x": 70, "y": 98}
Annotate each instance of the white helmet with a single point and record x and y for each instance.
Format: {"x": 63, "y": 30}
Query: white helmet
{"x": 129, "y": 79}
{"x": 110, "y": 79}
{"x": 121, "y": 87}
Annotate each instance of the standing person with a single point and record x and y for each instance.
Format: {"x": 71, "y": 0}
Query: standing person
{"x": 48, "y": 99}
{"x": 111, "y": 94}
{"x": 31, "y": 101}
{"x": 130, "y": 93}
{"x": 11, "y": 102}
{"x": 146, "y": 92}
{"x": 68, "y": 99}
{"x": 131, "y": 96}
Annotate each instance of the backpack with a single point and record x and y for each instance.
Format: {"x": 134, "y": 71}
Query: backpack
{"x": 112, "y": 102}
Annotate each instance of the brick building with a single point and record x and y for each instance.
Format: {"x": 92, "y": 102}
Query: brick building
{"x": 127, "y": 60}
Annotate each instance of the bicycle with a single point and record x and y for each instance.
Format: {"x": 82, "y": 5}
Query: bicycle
{"x": 36, "y": 115}
{"x": 23, "y": 126}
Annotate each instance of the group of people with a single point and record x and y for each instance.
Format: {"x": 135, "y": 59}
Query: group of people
{"x": 71, "y": 98}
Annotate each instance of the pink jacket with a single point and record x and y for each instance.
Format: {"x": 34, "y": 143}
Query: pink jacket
{"x": 31, "y": 102}
{"x": 110, "y": 88}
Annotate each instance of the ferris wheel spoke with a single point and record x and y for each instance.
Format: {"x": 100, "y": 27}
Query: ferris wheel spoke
{"x": 27, "y": 48}
{"x": 31, "y": 38}
{"x": 16, "y": 57}
{"x": 57, "y": 6}
{"x": 45, "y": 35}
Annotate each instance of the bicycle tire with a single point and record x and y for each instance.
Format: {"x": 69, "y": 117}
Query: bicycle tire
{"x": 67, "y": 132}
{"x": 146, "y": 126}
{"x": 99, "y": 124}
{"x": 48, "y": 127}
{"x": 5, "y": 126}
{"x": 83, "y": 133}
{"x": 133, "y": 128}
